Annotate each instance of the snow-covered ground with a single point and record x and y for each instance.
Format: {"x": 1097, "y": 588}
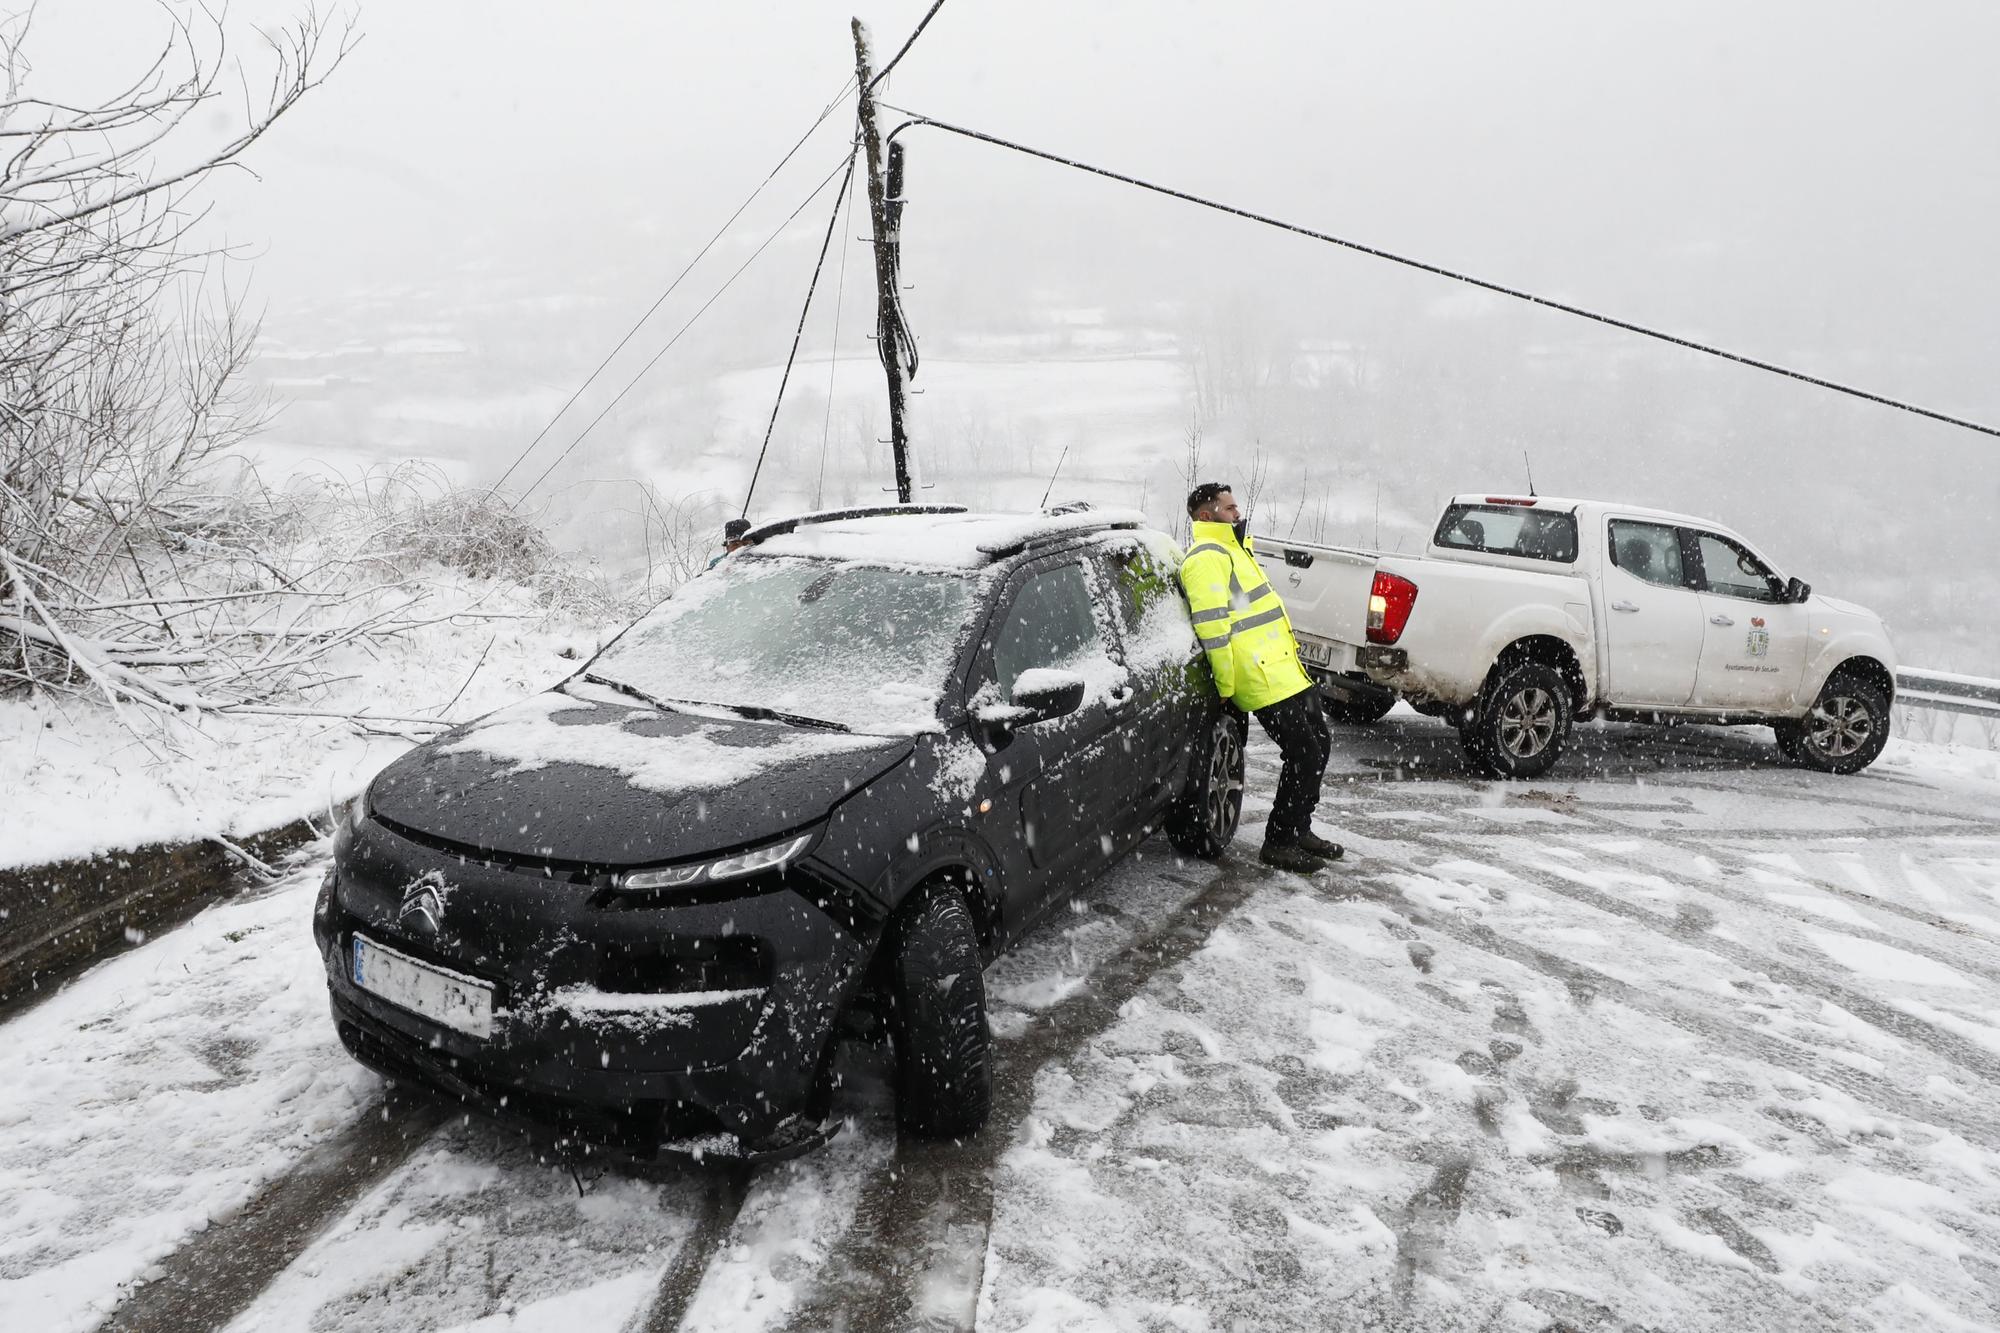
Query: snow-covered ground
{"x": 1681, "y": 1039}
{"x": 75, "y": 781}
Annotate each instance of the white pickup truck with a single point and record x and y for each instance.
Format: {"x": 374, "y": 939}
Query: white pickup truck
{"x": 1526, "y": 613}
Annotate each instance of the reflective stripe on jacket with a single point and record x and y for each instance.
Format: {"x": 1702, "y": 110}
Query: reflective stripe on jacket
{"x": 1240, "y": 621}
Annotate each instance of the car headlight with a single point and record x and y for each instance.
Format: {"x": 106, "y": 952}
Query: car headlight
{"x": 768, "y": 857}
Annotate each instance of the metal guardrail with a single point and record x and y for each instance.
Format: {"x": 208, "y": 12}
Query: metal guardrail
{"x": 1947, "y": 693}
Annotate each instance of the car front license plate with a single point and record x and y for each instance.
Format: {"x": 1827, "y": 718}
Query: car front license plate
{"x": 1314, "y": 653}
{"x": 458, "y": 1002}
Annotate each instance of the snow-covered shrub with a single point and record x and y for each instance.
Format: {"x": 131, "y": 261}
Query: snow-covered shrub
{"x": 423, "y": 518}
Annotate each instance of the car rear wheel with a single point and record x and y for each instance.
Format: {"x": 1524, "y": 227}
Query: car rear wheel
{"x": 1358, "y": 709}
{"x": 937, "y": 1020}
{"x": 1846, "y": 730}
{"x": 1203, "y": 821}
{"x": 1522, "y": 723}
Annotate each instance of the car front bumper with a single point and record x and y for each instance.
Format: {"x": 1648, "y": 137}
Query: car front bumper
{"x": 615, "y": 1020}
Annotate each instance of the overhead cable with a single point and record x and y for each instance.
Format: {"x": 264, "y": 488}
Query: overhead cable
{"x": 825, "y": 111}
{"x": 922, "y": 23}
{"x": 825, "y": 244}
{"x": 630, "y": 384}
{"x": 833, "y": 358}
{"x": 1675, "y": 339}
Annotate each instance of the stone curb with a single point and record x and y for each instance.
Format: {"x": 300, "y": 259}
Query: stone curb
{"x": 58, "y": 918}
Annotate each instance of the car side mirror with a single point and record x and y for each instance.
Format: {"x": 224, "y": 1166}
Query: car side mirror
{"x": 1040, "y": 695}
{"x": 1797, "y": 590}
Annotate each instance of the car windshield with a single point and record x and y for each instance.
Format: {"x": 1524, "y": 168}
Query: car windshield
{"x": 866, "y": 647}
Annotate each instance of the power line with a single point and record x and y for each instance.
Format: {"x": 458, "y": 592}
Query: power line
{"x": 630, "y": 384}
{"x": 805, "y": 310}
{"x": 922, "y": 23}
{"x": 833, "y": 360}
{"x": 637, "y": 324}
{"x": 1442, "y": 272}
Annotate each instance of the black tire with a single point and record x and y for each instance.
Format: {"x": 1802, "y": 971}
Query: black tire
{"x": 937, "y": 1020}
{"x": 1364, "y": 709}
{"x": 1521, "y": 725}
{"x": 1846, "y": 730}
{"x": 1203, "y": 821}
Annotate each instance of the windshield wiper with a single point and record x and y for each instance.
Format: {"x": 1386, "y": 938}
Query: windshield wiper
{"x": 756, "y": 711}
{"x": 665, "y": 705}
{"x": 763, "y": 714}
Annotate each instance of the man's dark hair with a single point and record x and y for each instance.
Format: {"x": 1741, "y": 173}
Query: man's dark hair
{"x": 735, "y": 528}
{"x": 1205, "y": 492}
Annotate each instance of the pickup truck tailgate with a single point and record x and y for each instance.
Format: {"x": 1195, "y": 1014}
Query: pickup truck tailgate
{"x": 1325, "y": 588}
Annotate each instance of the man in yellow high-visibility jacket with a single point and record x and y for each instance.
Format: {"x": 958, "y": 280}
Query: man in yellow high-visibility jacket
{"x": 1255, "y": 660}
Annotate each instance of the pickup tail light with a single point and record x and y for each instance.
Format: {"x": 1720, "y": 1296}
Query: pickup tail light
{"x": 1389, "y": 603}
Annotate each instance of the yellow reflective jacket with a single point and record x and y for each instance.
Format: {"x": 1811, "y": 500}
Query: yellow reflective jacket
{"x": 1240, "y": 621}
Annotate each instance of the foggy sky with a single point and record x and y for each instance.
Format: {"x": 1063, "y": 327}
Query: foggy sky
{"x": 1616, "y": 155}
{"x": 1812, "y": 183}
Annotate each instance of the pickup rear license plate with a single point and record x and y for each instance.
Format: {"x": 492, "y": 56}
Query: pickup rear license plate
{"x": 1315, "y": 653}
{"x": 458, "y": 1002}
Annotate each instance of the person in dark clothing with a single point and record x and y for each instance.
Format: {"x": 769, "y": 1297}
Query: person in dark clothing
{"x": 1242, "y": 626}
{"x": 1298, "y": 725}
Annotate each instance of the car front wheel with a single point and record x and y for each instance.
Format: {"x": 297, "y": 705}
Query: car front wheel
{"x": 1203, "y": 821}
{"x": 1844, "y": 732}
{"x": 937, "y": 1020}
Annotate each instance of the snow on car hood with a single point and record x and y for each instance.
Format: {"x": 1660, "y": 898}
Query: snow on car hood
{"x": 570, "y": 779}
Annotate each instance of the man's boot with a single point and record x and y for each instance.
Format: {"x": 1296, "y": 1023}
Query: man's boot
{"x": 1290, "y": 855}
{"x": 1325, "y": 848}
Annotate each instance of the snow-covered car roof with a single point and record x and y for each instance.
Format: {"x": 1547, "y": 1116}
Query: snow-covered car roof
{"x": 930, "y": 538}
{"x": 1571, "y": 506}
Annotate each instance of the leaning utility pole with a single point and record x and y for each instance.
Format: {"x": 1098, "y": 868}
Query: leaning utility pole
{"x": 885, "y": 208}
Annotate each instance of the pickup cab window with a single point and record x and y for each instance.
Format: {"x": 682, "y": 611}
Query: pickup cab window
{"x": 1517, "y": 530}
{"x": 1649, "y": 551}
{"x": 1731, "y": 571}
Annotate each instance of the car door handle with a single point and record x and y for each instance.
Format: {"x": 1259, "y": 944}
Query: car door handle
{"x": 1121, "y": 695}
{"x": 1720, "y": 620}
{"x": 1624, "y": 606}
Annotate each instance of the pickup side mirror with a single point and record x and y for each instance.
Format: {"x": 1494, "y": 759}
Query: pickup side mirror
{"x": 1041, "y": 694}
{"x": 1797, "y": 590}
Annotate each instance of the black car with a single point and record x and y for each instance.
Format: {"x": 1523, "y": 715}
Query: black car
{"x": 830, "y": 779}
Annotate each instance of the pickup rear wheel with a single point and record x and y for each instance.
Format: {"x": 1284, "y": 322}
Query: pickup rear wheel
{"x": 1357, "y": 709}
{"x": 1522, "y": 721}
{"x": 1846, "y": 730}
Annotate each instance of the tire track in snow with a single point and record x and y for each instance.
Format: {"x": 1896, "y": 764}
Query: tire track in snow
{"x": 1954, "y": 955}
{"x": 213, "y": 1278}
{"x": 1967, "y": 1055}
{"x": 727, "y": 1189}
{"x": 904, "y": 1261}
{"x": 1852, "y": 792}
{"x": 1585, "y": 981}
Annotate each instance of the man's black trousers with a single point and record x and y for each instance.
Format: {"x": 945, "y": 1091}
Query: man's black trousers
{"x": 1299, "y": 727}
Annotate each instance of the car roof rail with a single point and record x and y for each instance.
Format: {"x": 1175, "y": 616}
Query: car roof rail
{"x": 779, "y": 527}
{"x": 1063, "y": 525}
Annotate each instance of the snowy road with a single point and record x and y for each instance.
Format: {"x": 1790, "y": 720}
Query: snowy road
{"x": 1680, "y": 1040}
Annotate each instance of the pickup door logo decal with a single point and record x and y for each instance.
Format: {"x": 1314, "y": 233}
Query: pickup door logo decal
{"x": 1759, "y": 643}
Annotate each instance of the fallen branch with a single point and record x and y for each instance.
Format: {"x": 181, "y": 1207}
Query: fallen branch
{"x": 261, "y": 867}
